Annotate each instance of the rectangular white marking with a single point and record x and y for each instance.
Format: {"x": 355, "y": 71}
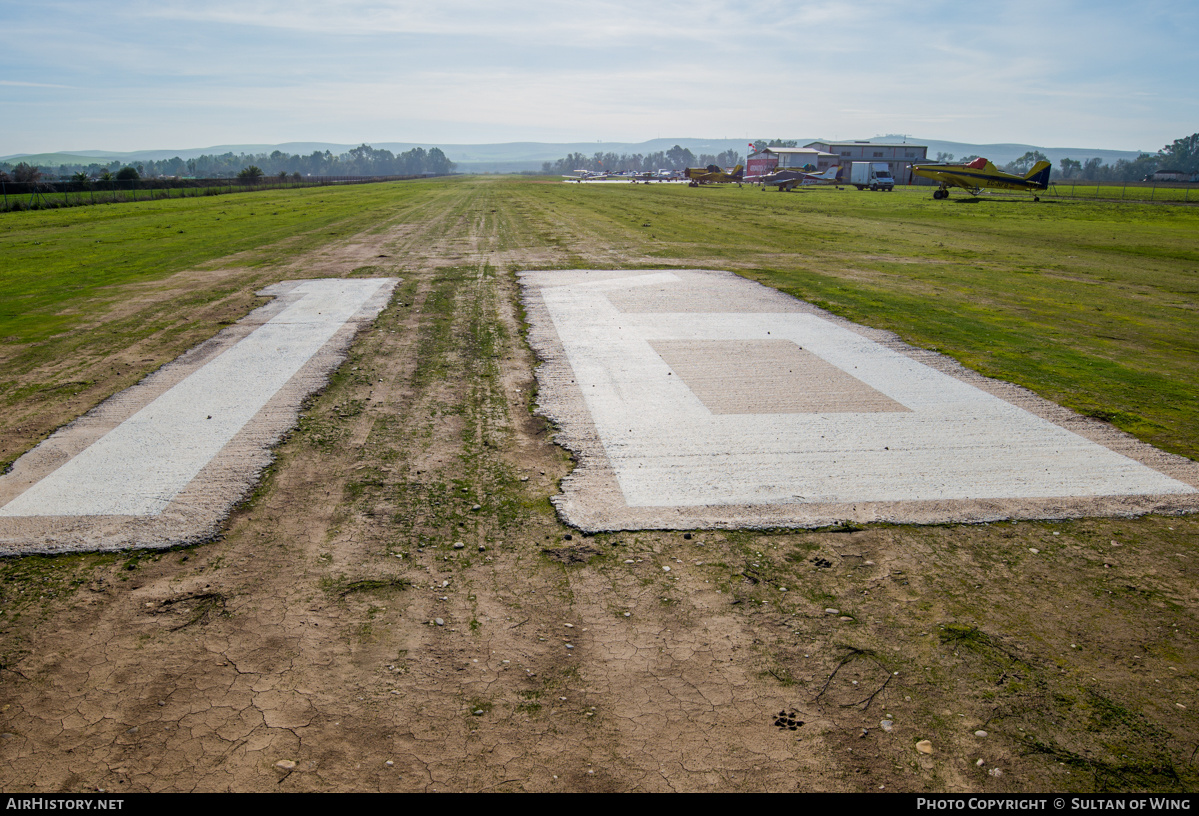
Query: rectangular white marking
{"x": 668, "y": 450}
{"x": 139, "y": 466}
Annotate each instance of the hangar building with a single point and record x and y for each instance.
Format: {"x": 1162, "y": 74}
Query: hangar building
{"x": 898, "y": 156}
{"x": 799, "y": 158}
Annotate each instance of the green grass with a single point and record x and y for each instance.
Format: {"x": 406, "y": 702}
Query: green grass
{"x": 101, "y": 194}
{"x": 1090, "y": 304}
{"x": 55, "y": 259}
{"x": 954, "y": 627}
{"x": 1136, "y": 191}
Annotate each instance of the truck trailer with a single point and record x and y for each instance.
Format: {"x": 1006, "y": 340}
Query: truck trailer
{"x": 873, "y": 175}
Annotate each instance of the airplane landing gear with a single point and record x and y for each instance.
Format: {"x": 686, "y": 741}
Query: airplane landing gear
{"x": 939, "y": 194}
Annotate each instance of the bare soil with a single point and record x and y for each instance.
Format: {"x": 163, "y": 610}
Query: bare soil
{"x": 336, "y": 637}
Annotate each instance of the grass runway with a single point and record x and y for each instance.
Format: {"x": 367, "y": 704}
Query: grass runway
{"x": 1091, "y": 305}
{"x": 421, "y": 480}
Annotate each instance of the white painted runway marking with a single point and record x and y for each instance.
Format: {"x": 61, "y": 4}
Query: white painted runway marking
{"x": 953, "y": 441}
{"x": 138, "y": 467}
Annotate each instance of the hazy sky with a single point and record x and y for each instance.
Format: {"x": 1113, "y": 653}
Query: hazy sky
{"x": 105, "y": 74}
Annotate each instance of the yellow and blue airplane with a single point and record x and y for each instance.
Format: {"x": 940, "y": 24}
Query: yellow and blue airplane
{"x": 714, "y": 174}
{"x": 980, "y": 173}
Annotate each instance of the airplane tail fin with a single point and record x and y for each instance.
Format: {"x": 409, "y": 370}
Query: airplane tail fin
{"x": 737, "y": 171}
{"x": 1039, "y": 175}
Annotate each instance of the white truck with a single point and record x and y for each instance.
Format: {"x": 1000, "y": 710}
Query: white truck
{"x": 875, "y": 175}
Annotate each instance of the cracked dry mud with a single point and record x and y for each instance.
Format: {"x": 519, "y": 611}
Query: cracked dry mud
{"x": 301, "y": 651}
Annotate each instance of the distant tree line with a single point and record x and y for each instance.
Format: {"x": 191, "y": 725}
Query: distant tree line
{"x": 363, "y": 160}
{"x": 762, "y": 144}
{"x": 1182, "y": 156}
{"x": 677, "y": 158}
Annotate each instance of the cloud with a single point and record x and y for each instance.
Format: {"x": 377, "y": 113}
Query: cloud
{"x": 17, "y": 84}
{"x": 1021, "y": 70}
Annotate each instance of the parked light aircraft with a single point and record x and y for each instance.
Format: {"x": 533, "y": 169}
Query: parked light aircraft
{"x": 980, "y": 173}
{"x": 661, "y": 175}
{"x": 713, "y": 174}
{"x": 788, "y": 180}
{"x": 585, "y": 175}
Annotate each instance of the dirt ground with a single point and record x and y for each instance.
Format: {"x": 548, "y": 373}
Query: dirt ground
{"x": 397, "y": 608}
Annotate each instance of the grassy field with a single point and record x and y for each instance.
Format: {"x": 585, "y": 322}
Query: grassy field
{"x": 1092, "y": 305}
{"x": 1134, "y": 191}
{"x": 23, "y": 200}
{"x": 55, "y": 195}
{"x": 416, "y": 490}
{"x": 89, "y": 305}
{"x": 54, "y": 260}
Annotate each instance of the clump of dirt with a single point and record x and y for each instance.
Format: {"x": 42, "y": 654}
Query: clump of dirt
{"x": 571, "y": 555}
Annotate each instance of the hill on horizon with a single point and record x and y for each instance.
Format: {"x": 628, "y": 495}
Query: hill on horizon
{"x": 515, "y": 157}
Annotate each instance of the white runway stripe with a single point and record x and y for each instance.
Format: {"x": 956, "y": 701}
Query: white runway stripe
{"x": 138, "y": 467}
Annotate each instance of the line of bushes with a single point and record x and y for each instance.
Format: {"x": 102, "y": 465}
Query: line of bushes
{"x": 46, "y": 195}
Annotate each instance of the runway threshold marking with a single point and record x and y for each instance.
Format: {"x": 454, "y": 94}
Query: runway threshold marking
{"x": 140, "y": 466}
{"x": 708, "y": 390}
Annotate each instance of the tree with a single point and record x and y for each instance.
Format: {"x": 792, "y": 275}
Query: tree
{"x": 944, "y": 157}
{"x": 1182, "y": 155}
{"x": 26, "y": 172}
{"x": 762, "y": 144}
{"x": 249, "y": 175}
{"x": 128, "y": 174}
{"x": 1023, "y": 164}
{"x": 364, "y": 160}
{"x": 439, "y": 163}
{"x": 1070, "y": 167}
{"x": 412, "y": 162}
{"x": 679, "y": 157}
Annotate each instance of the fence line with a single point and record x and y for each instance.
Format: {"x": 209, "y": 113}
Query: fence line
{"x": 1158, "y": 192}
{"x": 36, "y": 195}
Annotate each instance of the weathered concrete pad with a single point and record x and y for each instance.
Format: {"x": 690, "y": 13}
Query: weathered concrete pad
{"x": 163, "y": 463}
{"x": 700, "y": 399}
